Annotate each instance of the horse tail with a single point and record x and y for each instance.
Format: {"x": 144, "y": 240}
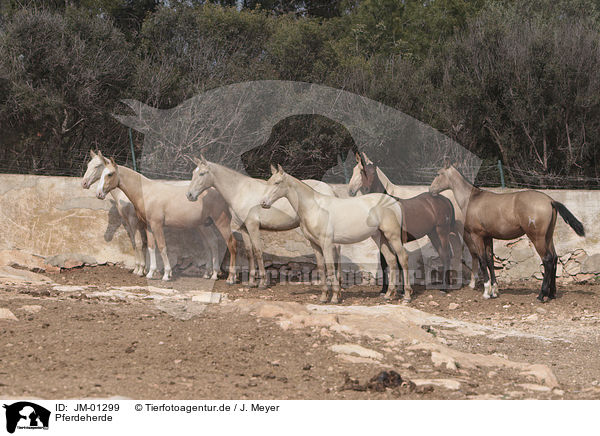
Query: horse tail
{"x": 569, "y": 218}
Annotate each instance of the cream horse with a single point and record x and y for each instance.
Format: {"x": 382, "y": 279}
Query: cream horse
{"x": 243, "y": 195}
{"x": 135, "y": 228}
{"x": 159, "y": 204}
{"x": 326, "y": 221}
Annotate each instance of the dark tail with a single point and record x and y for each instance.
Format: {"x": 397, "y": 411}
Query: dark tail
{"x": 569, "y": 218}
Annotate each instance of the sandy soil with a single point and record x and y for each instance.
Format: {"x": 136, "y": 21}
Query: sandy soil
{"x": 75, "y": 346}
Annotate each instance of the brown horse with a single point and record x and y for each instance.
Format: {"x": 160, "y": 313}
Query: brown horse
{"x": 423, "y": 215}
{"x": 506, "y": 216}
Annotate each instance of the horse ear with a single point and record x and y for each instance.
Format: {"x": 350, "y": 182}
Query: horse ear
{"x": 196, "y": 161}
{"x": 92, "y": 154}
{"x": 366, "y": 158}
{"x": 363, "y": 162}
{"x": 357, "y": 155}
{"x": 103, "y": 159}
{"x": 273, "y": 169}
{"x": 446, "y": 163}
{"x": 279, "y": 168}
{"x": 204, "y": 161}
{"x": 112, "y": 161}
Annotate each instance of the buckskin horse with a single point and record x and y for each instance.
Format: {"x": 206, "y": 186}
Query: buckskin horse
{"x": 490, "y": 216}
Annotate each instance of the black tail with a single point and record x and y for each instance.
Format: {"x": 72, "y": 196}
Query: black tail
{"x": 569, "y": 218}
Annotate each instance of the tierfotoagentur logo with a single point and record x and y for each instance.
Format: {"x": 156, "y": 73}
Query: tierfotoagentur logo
{"x": 25, "y": 415}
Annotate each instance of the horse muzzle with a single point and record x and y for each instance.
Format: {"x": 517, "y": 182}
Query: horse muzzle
{"x": 265, "y": 204}
{"x": 191, "y": 197}
{"x": 85, "y": 184}
{"x": 100, "y": 195}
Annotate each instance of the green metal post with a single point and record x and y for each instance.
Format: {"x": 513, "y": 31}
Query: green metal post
{"x": 501, "y": 173}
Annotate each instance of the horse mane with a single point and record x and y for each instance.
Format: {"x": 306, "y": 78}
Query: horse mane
{"x": 473, "y": 186}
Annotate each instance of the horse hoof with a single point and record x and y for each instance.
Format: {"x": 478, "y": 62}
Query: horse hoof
{"x": 230, "y": 282}
{"x": 324, "y": 298}
{"x": 486, "y": 296}
{"x": 406, "y": 300}
{"x": 335, "y": 300}
{"x": 150, "y": 275}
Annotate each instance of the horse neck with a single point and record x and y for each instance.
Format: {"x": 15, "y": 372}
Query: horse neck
{"x": 385, "y": 184}
{"x": 228, "y": 182}
{"x": 130, "y": 183}
{"x": 301, "y": 196}
{"x": 461, "y": 189}
{"x": 115, "y": 195}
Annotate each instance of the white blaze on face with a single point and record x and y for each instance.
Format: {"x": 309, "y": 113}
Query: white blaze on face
{"x": 102, "y": 181}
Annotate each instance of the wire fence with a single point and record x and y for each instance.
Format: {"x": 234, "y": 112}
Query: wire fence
{"x": 487, "y": 175}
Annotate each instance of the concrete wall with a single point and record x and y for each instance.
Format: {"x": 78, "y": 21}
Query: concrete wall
{"x": 54, "y": 216}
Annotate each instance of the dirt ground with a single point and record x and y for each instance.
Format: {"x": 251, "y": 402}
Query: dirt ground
{"x": 74, "y": 346}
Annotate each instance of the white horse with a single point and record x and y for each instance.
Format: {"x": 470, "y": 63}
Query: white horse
{"x": 243, "y": 195}
{"x": 159, "y": 204}
{"x": 327, "y": 220}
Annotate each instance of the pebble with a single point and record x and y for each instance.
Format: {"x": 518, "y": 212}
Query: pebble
{"x": 434, "y": 303}
{"x": 532, "y": 317}
{"x": 453, "y": 306}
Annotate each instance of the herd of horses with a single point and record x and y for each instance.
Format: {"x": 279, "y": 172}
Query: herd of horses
{"x": 237, "y": 203}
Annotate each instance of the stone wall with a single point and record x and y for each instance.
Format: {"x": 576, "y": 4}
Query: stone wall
{"x": 55, "y": 218}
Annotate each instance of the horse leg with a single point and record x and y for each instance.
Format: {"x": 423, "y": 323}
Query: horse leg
{"x": 250, "y": 254}
{"x": 440, "y": 242}
{"x": 329, "y": 255}
{"x": 254, "y": 232}
{"x": 387, "y": 252}
{"x": 212, "y": 265}
{"x": 162, "y": 247}
{"x": 223, "y": 225}
{"x": 552, "y": 294}
{"x": 337, "y": 251}
{"x": 141, "y": 246}
{"x": 475, "y": 263}
{"x": 479, "y": 246}
{"x": 321, "y": 269}
{"x": 320, "y": 264}
{"x": 549, "y": 260}
{"x": 130, "y": 232}
{"x": 384, "y": 273}
{"x": 152, "y": 251}
{"x": 489, "y": 258}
